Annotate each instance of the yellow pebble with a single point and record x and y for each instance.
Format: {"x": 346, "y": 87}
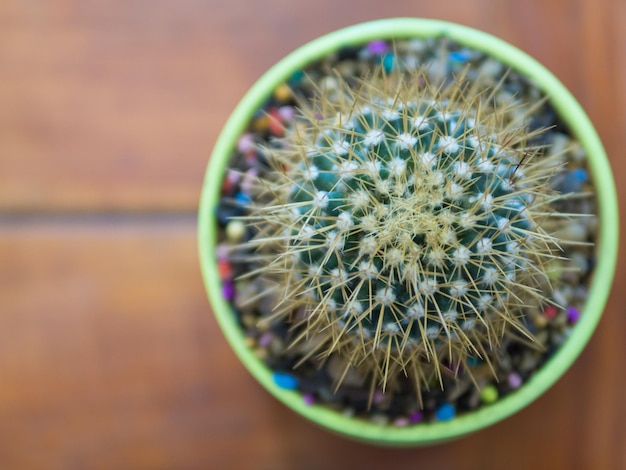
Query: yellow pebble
{"x": 489, "y": 394}
{"x": 248, "y": 321}
{"x": 539, "y": 320}
{"x": 554, "y": 270}
{"x": 282, "y": 92}
{"x": 262, "y": 325}
{"x": 235, "y": 230}
{"x": 262, "y": 123}
{"x": 261, "y": 353}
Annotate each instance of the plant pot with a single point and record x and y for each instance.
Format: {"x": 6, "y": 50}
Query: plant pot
{"x": 569, "y": 112}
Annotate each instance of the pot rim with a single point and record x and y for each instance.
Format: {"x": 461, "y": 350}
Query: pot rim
{"x": 568, "y": 109}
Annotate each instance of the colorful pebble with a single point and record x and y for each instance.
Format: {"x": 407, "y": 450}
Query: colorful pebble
{"x": 474, "y": 361}
{"x": 252, "y": 158}
{"x": 573, "y": 315}
{"x": 286, "y": 113}
{"x": 540, "y": 321}
{"x": 285, "y": 381}
{"x": 230, "y": 181}
{"x": 249, "y": 321}
{"x": 401, "y": 422}
{"x": 245, "y": 143}
{"x": 460, "y": 56}
{"x": 514, "y": 380}
{"x": 550, "y": 312}
{"x": 261, "y": 353}
{"x": 445, "y": 412}
{"x": 221, "y": 251}
{"x": 224, "y": 269}
{"x": 275, "y": 124}
{"x": 266, "y": 339}
{"x": 379, "y": 396}
{"x": 228, "y": 290}
{"x": 297, "y": 77}
{"x": 242, "y": 198}
{"x": 328, "y": 84}
{"x": 377, "y": 47}
{"x": 389, "y": 62}
{"x": 282, "y": 92}
{"x": 574, "y": 180}
{"x": 248, "y": 180}
{"x": 554, "y": 270}
{"x": 261, "y": 123}
{"x": 380, "y": 419}
{"x": 489, "y": 394}
{"x": 235, "y": 231}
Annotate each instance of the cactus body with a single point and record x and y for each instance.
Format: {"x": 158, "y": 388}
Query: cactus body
{"x": 406, "y": 224}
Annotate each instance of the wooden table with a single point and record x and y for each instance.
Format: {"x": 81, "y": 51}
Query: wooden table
{"x": 109, "y": 355}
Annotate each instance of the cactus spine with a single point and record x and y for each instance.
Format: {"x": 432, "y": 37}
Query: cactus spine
{"x": 405, "y": 225}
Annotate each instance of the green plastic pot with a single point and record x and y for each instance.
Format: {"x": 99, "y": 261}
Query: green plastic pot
{"x": 570, "y": 112}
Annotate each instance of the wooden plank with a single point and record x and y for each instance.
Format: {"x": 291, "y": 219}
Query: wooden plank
{"x": 110, "y": 358}
{"x": 116, "y": 105}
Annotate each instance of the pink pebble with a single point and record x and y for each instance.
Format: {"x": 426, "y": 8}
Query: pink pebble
{"x": 286, "y": 113}
{"x": 401, "y": 422}
{"x": 265, "y": 339}
{"x": 514, "y": 380}
{"x": 245, "y": 143}
{"x": 221, "y": 251}
{"x": 308, "y": 399}
{"x": 248, "y": 180}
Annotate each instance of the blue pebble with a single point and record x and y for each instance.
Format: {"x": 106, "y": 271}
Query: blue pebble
{"x": 573, "y": 181}
{"x": 388, "y": 61}
{"x": 243, "y": 199}
{"x": 286, "y": 381}
{"x": 580, "y": 175}
{"x": 459, "y": 56}
{"x": 297, "y": 77}
{"x": 474, "y": 361}
{"x": 445, "y": 412}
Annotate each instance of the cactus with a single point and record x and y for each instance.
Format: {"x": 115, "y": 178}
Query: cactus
{"x": 405, "y": 225}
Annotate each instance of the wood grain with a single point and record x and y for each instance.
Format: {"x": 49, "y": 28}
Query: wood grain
{"x": 109, "y": 358}
{"x": 116, "y": 105}
{"x": 109, "y": 354}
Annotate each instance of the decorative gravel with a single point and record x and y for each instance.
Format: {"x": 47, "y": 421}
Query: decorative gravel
{"x": 315, "y": 378}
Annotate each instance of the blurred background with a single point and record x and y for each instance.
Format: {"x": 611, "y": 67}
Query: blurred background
{"x": 109, "y": 355}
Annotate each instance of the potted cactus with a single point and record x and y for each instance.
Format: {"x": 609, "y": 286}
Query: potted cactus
{"x": 398, "y": 224}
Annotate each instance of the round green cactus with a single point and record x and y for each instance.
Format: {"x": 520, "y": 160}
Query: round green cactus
{"x": 408, "y": 224}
